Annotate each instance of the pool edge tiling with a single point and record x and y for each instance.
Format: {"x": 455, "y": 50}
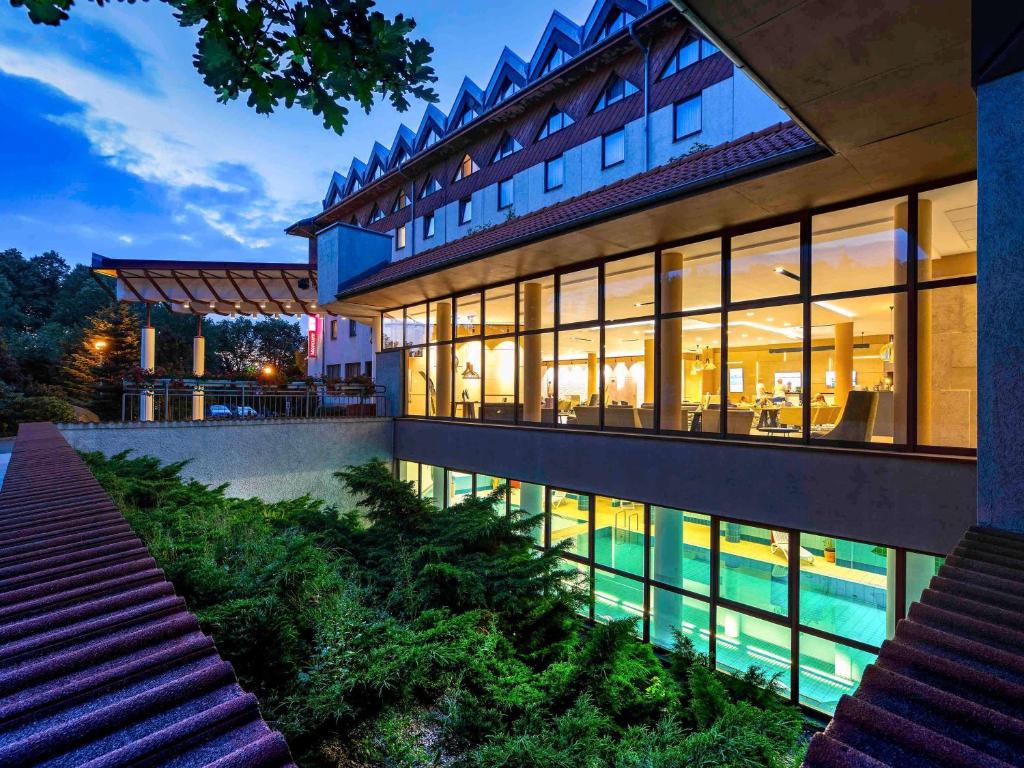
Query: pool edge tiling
{"x": 99, "y": 659}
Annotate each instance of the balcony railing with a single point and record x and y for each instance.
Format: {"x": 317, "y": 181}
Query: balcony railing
{"x": 167, "y": 401}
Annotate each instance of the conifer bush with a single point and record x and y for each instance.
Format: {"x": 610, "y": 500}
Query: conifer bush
{"x": 402, "y": 635}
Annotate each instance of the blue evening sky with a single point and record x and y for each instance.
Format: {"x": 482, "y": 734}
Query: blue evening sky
{"x": 110, "y": 142}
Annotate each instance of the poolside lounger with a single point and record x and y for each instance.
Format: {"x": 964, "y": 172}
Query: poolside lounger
{"x": 780, "y": 544}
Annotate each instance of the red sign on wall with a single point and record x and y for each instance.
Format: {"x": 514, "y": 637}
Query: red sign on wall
{"x": 314, "y": 333}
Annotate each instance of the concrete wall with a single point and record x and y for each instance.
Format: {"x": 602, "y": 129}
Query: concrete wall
{"x": 270, "y": 460}
{"x": 917, "y": 502}
{"x": 1000, "y": 287}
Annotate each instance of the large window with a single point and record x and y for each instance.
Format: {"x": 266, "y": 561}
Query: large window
{"x": 505, "y": 198}
{"x": 613, "y": 148}
{"x": 850, "y": 326}
{"x": 687, "y": 117}
{"x": 808, "y": 609}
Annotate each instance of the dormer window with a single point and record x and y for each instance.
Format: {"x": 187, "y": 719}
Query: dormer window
{"x": 466, "y": 168}
{"x": 356, "y": 185}
{"x": 507, "y": 90}
{"x": 377, "y": 173}
{"x": 616, "y": 90}
{"x": 557, "y": 120}
{"x": 400, "y": 157}
{"x": 400, "y": 202}
{"x": 688, "y": 53}
{"x": 467, "y": 116}
{"x": 334, "y": 196}
{"x": 617, "y": 20}
{"x": 376, "y": 215}
{"x": 508, "y": 146}
{"x": 557, "y": 58}
{"x": 430, "y": 187}
{"x": 431, "y": 139}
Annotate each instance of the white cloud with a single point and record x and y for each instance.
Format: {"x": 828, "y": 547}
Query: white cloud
{"x": 126, "y": 239}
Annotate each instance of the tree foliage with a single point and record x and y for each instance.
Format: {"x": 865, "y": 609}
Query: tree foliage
{"x": 399, "y": 634}
{"x": 318, "y": 54}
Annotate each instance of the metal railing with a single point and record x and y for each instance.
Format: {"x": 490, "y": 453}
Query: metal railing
{"x": 247, "y": 402}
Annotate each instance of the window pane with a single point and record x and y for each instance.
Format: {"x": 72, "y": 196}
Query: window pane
{"x": 432, "y": 479}
{"x": 416, "y": 382}
{"x": 691, "y": 277}
{"x": 829, "y": 670}
{"x": 862, "y": 247}
{"x": 439, "y": 380}
{"x": 416, "y": 325}
{"x": 920, "y": 570}
{"x": 859, "y": 369}
{"x": 577, "y": 300}
{"x": 618, "y": 597}
{"x": 948, "y": 232}
{"x": 768, "y": 345}
{"x": 619, "y": 534}
{"x": 537, "y": 378}
{"x": 578, "y": 379}
{"x": 554, "y": 172}
{"x": 688, "y": 117}
{"x": 629, "y": 287}
{"x": 766, "y": 263}
{"x": 467, "y": 315}
{"x": 614, "y": 148}
{"x": 529, "y": 498}
{"x": 500, "y": 379}
{"x": 947, "y": 366}
{"x": 467, "y": 380}
{"x": 671, "y": 612}
{"x": 680, "y": 550}
{"x": 628, "y": 392}
{"x": 753, "y": 568}
{"x": 743, "y": 641}
{"x": 579, "y": 574}
{"x": 537, "y": 303}
{"x": 460, "y": 485}
{"x": 843, "y": 587}
{"x": 486, "y": 485}
{"x": 690, "y": 372}
{"x": 409, "y": 472}
{"x": 500, "y": 305}
{"x": 439, "y": 326}
{"x": 391, "y": 330}
{"x": 505, "y": 193}
{"x": 570, "y": 519}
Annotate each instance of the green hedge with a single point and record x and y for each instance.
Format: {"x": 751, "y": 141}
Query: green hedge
{"x": 17, "y": 409}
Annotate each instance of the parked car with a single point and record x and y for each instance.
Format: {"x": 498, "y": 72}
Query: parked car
{"x": 244, "y": 411}
{"x": 218, "y": 412}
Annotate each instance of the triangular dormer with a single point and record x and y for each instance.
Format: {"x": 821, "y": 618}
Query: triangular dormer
{"x": 507, "y": 146}
{"x": 468, "y": 105}
{"x": 555, "y": 121}
{"x": 559, "y": 43}
{"x": 431, "y": 128}
{"x": 376, "y": 214}
{"x": 615, "y": 90}
{"x": 335, "y": 190}
{"x": 401, "y": 201}
{"x": 609, "y": 17}
{"x": 467, "y": 167}
{"x": 401, "y": 147}
{"x": 508, "y": 78}
{"x": 430, "y": 186}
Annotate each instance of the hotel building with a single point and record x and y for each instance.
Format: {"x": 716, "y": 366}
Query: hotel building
{"x": 700, "y": 283}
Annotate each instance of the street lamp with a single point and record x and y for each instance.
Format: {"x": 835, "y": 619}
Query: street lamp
{"x": 268, "y": 370}
{"x": 99, "y": 345}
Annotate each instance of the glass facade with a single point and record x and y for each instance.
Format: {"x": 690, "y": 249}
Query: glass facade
{"x": 811, "y": 609}
{"x": 853, "y": 325}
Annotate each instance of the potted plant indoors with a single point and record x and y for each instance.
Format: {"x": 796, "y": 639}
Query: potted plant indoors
{"x": 829, "y": 546}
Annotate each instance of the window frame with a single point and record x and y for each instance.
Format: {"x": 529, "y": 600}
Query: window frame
{"x": 605, "y": 165}
{"x": 510, "y": 181}
{"x": 465, "y": 210}
{"x": 401, "y": 237}
{"x": 429, "y": 225}
{"x": 548, "y": 165}
{"x": 699, "y": 98}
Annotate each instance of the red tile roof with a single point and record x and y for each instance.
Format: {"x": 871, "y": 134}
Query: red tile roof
{"x": 100, "y": 662}
{"x": 948, "y": 689}
{"x": 784, "y": 141}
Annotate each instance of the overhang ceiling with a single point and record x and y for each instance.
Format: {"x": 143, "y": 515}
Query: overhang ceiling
{"x": 885, "y": 86}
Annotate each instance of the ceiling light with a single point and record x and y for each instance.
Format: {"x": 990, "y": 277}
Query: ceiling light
{"x": 835, "y": 308}
{"x": 750, "y": 314}
{"x": 786, "y": 273}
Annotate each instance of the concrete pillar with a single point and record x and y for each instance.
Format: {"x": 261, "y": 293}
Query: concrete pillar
{"x": 443, "y": 371}
{"x": 376, "y": 332}
{"x": 844, "y": 361}
{"x": 670, "y": 344}
{"x": 925, "y": 385}
{"x": 531, "y": 499}
{"x": 648, "y": 368}
{"x": 147, "y": 362}
{"x": 532, "y": 380}
{"x": 440, "y": 486}
{"x": 667, "y": 566}
{"x": 592, "y": 374}
{"x": 198, "y": 369}
{"x": 900, "y": 330}
{"x": 1000, "y": 317}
